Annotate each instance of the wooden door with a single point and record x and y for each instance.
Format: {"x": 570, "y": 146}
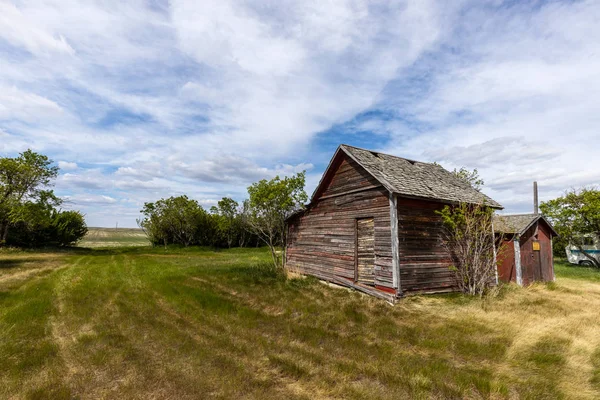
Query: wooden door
{"x": 537, "y": 266}
{"x": 530, "y": 263}
{"x": 365, "y": 251}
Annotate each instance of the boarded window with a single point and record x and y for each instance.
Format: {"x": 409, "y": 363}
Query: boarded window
{"x": 365, "y": 251}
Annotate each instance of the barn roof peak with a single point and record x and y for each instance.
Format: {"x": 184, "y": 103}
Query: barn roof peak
{"x": 518, "y": 223}
{"x": 379, "y": 154}
{"x": 411, "y": 178}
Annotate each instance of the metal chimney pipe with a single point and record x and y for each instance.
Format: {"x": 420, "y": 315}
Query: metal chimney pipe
{"x": 535, "y": 198}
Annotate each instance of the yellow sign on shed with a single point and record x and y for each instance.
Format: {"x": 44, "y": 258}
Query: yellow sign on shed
{"x": 536, "y": 246}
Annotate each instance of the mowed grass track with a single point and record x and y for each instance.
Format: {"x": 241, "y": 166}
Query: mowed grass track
{"x": 194, "y": 323}
{"x": 112, "y": 237}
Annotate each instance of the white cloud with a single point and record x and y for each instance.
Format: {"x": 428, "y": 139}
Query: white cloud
{"x": 229, "y": 168}
{"x": 19, "y": 30}
{"x": 18, "y": 104}
{"x": 497, "y": 151}
{"x": 89, "y": 179}
{"x": 67, "y": 166}
{"x": 89, "y": 199}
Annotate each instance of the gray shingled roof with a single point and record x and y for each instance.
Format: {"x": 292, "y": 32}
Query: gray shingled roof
{"x": 416, "y": 179}
{"x": 517, "y": 223}
{"x": 513, "y": 223}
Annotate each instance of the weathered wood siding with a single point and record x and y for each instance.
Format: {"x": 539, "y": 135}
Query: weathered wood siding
{"x": 322, "y": 240}
{"x": 423, "y": 260}
{"x": 506, "y": 261}
{"x": 348, "y": 176}
{"x": 365, "y": 241}
{"x": 537, "y": 265}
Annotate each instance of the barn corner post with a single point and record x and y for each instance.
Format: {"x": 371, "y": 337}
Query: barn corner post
{"x": 552, "y": 252}
{"x": 494, "y": 248}
{"x": 285, "y": 244}
{"x": 355, "y": 227}
{"x": 395, "y": 243}
{"x": 517, "y": 247}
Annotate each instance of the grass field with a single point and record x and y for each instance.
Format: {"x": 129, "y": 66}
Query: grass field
{"x": 194, "y": 323}
{"x": 111, "y": 237}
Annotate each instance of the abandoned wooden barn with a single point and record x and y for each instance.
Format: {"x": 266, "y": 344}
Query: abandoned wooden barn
{"x": 372, "y": 225}
{"x": 526, "y": 254}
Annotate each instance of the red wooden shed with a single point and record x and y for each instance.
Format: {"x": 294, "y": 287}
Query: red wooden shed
{"x": 372, "y": 224}
{"x": 526, "y": 254}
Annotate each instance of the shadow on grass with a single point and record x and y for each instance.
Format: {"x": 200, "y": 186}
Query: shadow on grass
{"x": 162, "y": 250}
{"x": 14, "y": 258}
{"x": 17, "y": 257}
{"x": 14, "y": 263}
{"x": 257, "y": 273}
{"x": 496, "y": 293}
{"x": 132, "y": 250}
{"x": 539, "y": 366}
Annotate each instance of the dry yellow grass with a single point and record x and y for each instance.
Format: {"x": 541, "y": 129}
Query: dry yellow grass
{"x": 566, "y": 312}
{"x": 17, "y": 267}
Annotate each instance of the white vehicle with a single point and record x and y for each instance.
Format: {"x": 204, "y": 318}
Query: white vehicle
{"x": 590, "y": 244}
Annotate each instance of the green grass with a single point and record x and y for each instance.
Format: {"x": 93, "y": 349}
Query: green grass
{"x": 111, "y": 237}
{"x": 567, "y": 270}
{"x": 144, "y": 323}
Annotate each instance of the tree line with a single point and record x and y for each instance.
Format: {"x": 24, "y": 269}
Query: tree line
{"x": 258, "y": 220}
{"x": 183, "y": 221}
{"x": 30, "y": 213}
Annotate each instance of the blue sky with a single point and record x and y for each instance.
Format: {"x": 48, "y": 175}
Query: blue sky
{"x": 138, "y": 100}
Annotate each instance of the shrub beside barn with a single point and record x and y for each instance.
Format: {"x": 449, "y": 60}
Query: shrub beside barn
{"x": 372, "y": 224}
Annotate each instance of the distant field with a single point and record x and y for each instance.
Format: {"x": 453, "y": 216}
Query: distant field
{"x": 111, "y": 237}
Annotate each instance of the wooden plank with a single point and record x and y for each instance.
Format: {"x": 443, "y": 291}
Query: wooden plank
{"x": 348, "y": 176}
{"x": 365, "y": 289}
{"x": 350, "y": 191}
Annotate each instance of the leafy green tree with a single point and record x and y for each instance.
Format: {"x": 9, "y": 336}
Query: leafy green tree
{"x": 39, "y": 223}
{"x": 68, "y": 227}
{"x": 206, "y": 229}
{"x": 23, "y": 180}
{"x": 225, "y": 214}
{"x": 152, "y": 224}
{"x": 177, "y": 220}
{"x": 30, "y": 221}
{"x": 244, "y": 236}
{"x": 227, "y": 206}
{"x": 471, "y": 177}
{"x": 574, "y": 214}
{"x": 270, "y": 203}
{"x": 469, "y": 239}
{"x": 180, "y": 220}
{"x": 468, "y": 176}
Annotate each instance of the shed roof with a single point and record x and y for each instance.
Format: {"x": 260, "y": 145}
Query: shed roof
{"x": 518, "y": 223}
{"x": 416, "y": 179}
